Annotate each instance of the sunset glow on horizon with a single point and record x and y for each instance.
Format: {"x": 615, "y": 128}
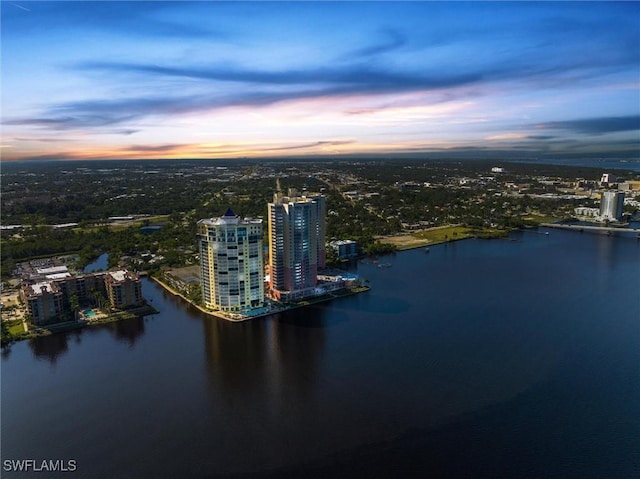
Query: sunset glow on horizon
{"x": 137, "y": 80}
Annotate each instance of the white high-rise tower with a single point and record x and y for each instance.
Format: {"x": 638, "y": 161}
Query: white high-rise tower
{"x": 232, "y": 271}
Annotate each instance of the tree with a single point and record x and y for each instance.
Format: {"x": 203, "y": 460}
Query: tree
{"x": 75, "y": 305}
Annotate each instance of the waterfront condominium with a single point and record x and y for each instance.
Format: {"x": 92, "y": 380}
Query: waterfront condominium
{"x": 232, "y": 271}
{"x": 297, "y": 229}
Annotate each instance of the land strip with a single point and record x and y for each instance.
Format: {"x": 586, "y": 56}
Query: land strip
{"x": 274, "y": 307}
{"x": 439, "y": 234}
{"x": 606, "y": 229}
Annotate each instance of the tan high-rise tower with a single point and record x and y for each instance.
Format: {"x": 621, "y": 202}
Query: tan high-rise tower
{"x": 232, "y": 270}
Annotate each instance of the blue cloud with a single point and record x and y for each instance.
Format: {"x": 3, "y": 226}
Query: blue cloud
{"x": 146, "y": 19}
{"x": 178, "y": 62}
{"x": 392, "y": 40}
{"x": 595, "y": 126}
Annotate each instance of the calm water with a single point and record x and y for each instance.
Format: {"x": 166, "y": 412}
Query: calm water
{"x": 505, "y": 358}
{"x": 628, "y": 164}
{"x": 100, "y": 264}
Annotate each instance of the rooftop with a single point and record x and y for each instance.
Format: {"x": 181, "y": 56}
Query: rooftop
{"x": 120, "y": 275}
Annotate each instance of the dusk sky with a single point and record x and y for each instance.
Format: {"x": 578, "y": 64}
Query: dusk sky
{"x": 89, "y": 80}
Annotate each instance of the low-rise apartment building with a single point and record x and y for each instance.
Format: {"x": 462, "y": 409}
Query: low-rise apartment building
{"x": 50, "y": 301}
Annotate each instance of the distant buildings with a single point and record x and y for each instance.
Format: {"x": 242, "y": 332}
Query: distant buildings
{"x": 297, "y": 230}
{"x": 345, "y": 249}
{"x": 48, "y": 294}
{"x": 607, "y": 179}
{"x": 587, "y": 212}
{"x": 232, "y": 271}
{"x": 612, "y": 205}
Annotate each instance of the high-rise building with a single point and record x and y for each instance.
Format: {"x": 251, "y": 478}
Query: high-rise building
{"x": 612, "y": 205}
{"x": 608, "y": 178}
{"x": 297, "y": 230}
{"x": 232, "y": 271}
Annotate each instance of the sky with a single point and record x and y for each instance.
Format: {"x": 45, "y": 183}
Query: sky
{"x": 126, "y": 79}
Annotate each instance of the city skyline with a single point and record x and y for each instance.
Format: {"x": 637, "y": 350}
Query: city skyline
{"x": 136, "y": 80}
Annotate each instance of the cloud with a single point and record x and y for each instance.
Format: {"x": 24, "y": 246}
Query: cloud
{"x": 305, "y": 84}
{"x": 595, "y": 126}
{"x": 507, "y": 136}
{"x": 153, "y": 148}
{"x": 393, "y": 41}
{"x": 540, "y": 137}
{"x": 43, "y": 140}
{"x": 148, "y": 19}
{"x": 47, "y": 122}
{"x": 20, "y": 7}
{"x": 81, "y": 116}
{"x": 350, "y": 78}
{"x": 124, "y": 132}
{"x": 310, "y": 145}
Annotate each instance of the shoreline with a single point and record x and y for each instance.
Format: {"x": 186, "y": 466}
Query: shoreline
{"x": 414, "y": 242}
{"x": 280, "y": 308}
{"x": 66, "y": 326}
{"x": 604, "y": 229}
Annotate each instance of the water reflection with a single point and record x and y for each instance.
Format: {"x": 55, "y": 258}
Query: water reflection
{"x": 49, "y": 347}
{"x": 128, "y": 331}
{"x": 280, "y": 354}
{"x": 609, "y": 252}
{"x": 52, "y": 347}
{"x": 298, "y": 340}
{"x": 236, "y": 354}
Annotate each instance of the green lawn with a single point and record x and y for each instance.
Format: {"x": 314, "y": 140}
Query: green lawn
{"x": 446, "y": 233}
{"x": 15, "y": 327}
{"x": 539, "y": 219}
{"x": 440, "y": 234}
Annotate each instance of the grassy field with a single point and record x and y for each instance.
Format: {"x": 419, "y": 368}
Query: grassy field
{"x": 15, "y": 327}
{"x": 539, "y": 219}
{"x": 440, "y": 234}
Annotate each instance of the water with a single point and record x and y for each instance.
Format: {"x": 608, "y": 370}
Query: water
{"x": 628, "y": 164}
{"x": 99, "y": 264}
{"x": 502, "y": 358}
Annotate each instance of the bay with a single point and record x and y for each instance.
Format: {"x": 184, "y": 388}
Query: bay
{"x": 500, "y": 358}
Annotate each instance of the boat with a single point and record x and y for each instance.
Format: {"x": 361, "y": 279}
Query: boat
{"x": 426, "y": 250}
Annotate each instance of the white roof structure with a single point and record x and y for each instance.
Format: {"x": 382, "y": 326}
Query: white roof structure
{"x": 58, "y": 276}
{"x": 52, "y": 270}
{"x": 118, "y": 275}
{"x": 38, "y": 287}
